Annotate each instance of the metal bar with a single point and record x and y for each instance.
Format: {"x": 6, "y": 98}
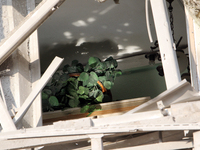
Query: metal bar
{"x": 167, "y": 47}
{"x": 37, "y": 89}
{"x": 28, "y": 26}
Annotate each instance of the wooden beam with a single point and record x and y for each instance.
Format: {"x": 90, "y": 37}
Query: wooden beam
{"x": 144, "y": 139}
{"x": 164, "y": 146}
{"x": 72, "y": 128}
{"x": 166, "y": 43}
{"x": 193, "y": 32}
{"x": 96, "y": 141}
{"x": 106, "y": 108}
{"x": 37, "y": 89}
{"x": 36, "y": 142}
{"x": 196, "y": 136}
{"x": 178, "y": 93}
{"x": 35, "y": 69}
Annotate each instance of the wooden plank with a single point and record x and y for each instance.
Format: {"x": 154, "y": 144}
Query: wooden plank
{"x": 164, "y": 146}
{"x": 196, "y": 136}
{"x": 40, "y": 85}
{"x": 35, "y": 69}
{"x": 178, "y": 93}
{"x": 145, "y": 139}
{"x": 166, "y": 43}
{"x": 106, "y": 108}
{"x": 36, "y": 142}
{"x": 192, "y": 49}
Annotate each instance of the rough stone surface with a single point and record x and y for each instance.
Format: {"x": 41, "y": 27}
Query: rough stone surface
{"x": 193, "y": 7}
{"x": 17, "y": 82}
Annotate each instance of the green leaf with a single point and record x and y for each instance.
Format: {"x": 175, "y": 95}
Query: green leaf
{"x": 117, "y": 73}
{"x": 100, "y": 66}
{"x": 56, "y": 76}
{"x": 74, "y": 62}
{"x": 47, "y": 91}
{"x": 53, "y": 101}
{"x": 45, "y": 96}
{"x": 91, "y": 93}
{"x": 96, "y": 92}
{"x": 85, "y": 83}
{"x": 109, "y": 58}
{"x": 107, "y": 64}
{"x": 92, "y": 81}
{"x": 115, "y": 63}
{"x": 99, "y": 72}
{"x": 100, "y": 97}
{"x": 87, "y": 68}
{"x": 94, "y": 76}
{"x": 83, "y": 76}
{"x": 79, "y": 68}
{"x": 62, "y": 91}
{"x": 65, "y": 68}
{"x": 102, "y": 79}
{"x": 73, "y": 94}
{"x": 83, "y": 96}
{"x": 86, "y": 90}
{"x": 81, "y": 90}
{"x": 84, "y": 109}
{"x": 73, "y": 82}
{"x": 93, "y": 61}
{"x": 72, "y": 69}
{"x": 108, "y": 75}
{"x": 71, "y": 79}
{"x": 91, "y": 108}
{"x": 74, "y": 102}
{"x": 107, "y": 84}
{"x": 63, "y": 78}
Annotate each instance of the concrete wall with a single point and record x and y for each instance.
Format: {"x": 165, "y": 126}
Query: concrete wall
{"x": 17, "y": 83}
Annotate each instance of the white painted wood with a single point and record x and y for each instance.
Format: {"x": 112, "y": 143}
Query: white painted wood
{"x": 35, "y": 76}
{"x": 35, "y": 69}
{"x": 193, "y": 32}
{"x": 166, "y": 44}
{"x": 127, "y": 118}
{"x": 96, "y": 141}
{"x": 162, "y": 146}
{"x": 178, "y": 93}
{"x": 145, "y": 139}
{"x": 196, "y": 136}
{"x": 37, "y": 89}
{"x": 162, "y": 124}
{"x": 2, "y": 94}
{"x": 36, "y": 142}
{"x": 5, "y": 119}
{"x": 30, "y": 23}
{"x": 191, "y": 49}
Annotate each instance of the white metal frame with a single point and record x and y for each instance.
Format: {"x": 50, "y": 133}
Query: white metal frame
{"x": 88, "y": 128}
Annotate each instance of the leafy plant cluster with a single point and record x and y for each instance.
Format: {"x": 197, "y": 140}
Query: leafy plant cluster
{"x": 79, "y": 86}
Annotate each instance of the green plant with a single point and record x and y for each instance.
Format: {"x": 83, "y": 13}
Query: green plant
{"x": 84, "y": 89}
